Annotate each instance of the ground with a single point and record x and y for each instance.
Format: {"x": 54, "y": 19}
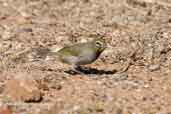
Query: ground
{"x": 138, "y": 36}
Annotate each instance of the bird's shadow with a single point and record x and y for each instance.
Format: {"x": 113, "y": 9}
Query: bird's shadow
{"x": 88, "y": 70}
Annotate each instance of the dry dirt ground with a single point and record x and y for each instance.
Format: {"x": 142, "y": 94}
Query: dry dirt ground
{"x": 138, "y": 33}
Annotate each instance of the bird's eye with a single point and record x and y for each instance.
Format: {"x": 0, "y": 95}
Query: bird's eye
{"x": 99, "y": 44}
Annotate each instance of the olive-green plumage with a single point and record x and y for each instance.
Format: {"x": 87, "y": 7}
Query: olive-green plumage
{"x": 82, "y": 53}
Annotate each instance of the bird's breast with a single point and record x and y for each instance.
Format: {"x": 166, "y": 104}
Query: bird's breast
{"x": 87, "y": 59}
{"x": 82, "y": 59}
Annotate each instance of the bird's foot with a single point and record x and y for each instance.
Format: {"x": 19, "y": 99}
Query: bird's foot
{"x": 75, "y": 70}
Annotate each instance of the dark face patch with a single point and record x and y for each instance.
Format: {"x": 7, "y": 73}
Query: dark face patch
{"x": 100, "y": 45}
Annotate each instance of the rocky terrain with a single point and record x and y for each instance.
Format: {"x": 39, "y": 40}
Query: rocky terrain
{"x": 132, "y": 76}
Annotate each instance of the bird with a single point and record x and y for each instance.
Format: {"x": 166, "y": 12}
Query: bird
{"x": 80, "y": 54}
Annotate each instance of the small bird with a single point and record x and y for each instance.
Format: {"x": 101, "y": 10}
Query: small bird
{"x": 81, "y": 53}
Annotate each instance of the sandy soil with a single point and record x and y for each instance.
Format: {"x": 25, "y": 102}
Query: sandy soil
{"x": 138, "y": 33}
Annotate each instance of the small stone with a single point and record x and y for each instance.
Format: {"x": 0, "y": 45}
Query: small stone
{"x": 26, "y": 30}
{"x": 99, "y": 106}
{"x": 23, "y": 88}
{"x": 119, "y": 111}
{"x": 6, "y": 35}
{"x": 5, "y": 110}
{"x": 169, "y": 20}
{"x": 120, "y": 76}
{"x": 154, "y": 67}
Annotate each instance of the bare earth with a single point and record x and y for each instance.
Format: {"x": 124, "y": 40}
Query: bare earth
{"x": 138, "y": 33}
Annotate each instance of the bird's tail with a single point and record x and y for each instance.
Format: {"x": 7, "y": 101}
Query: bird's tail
{"x": 43, "y": 53}
{"x": 40, "y": 53}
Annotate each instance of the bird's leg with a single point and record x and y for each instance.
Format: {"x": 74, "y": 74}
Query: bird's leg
{"x": 77, "y": 69}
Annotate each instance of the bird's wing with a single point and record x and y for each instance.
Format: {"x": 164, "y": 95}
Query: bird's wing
{"x": 75, "y": 50}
